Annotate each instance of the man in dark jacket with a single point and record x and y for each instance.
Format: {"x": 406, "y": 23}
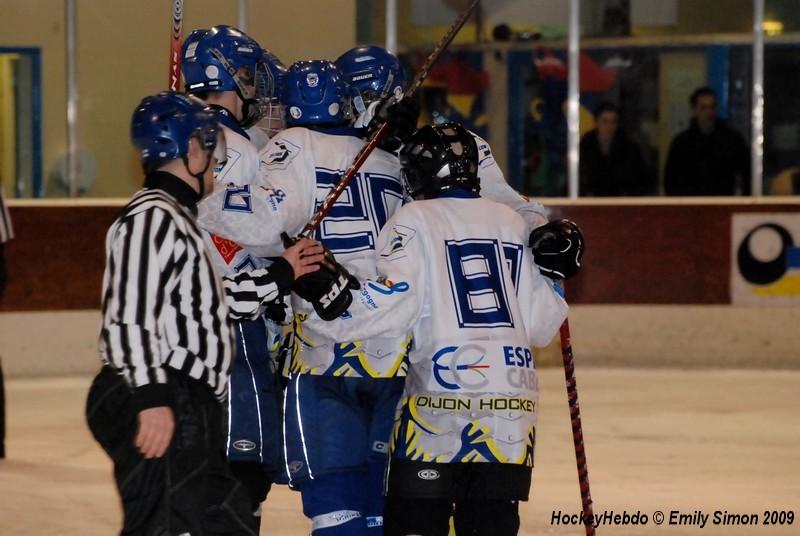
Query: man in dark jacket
{"x": 611, "y": 163}
{"x": 709, "y": 158}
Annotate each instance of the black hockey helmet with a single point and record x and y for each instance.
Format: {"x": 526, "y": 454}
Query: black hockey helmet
{"x": 440, "y": 158}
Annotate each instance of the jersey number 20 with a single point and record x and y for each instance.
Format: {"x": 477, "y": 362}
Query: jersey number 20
{"x": 359, "y": 214}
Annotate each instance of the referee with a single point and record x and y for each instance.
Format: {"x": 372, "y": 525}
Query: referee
{"x": 165, "y": 340}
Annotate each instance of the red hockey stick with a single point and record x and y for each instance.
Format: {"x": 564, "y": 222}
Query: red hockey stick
{"x": 577, "y": 429}
{"x": 373, "y": 140}
{"x": 174, "y": 80}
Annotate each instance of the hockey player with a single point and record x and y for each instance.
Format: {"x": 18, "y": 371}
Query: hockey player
{"x": 342, "y": 393}
{"x": 455, "y": 267}
{"x": 377, "y": 81}
{"x": 228, "y": 70}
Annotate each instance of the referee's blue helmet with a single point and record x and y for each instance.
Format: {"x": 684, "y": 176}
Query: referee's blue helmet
{"x": 163, "y": 124}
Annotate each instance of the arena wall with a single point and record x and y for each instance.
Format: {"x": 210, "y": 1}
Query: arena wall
{"x": 659, "y": 297}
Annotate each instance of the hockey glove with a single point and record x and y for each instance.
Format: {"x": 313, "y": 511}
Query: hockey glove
{"x": 401, "y": 122}
{"x": 327, "y": 289}
{"x": 557, "y": 248}
{"x": 276, "y": 311}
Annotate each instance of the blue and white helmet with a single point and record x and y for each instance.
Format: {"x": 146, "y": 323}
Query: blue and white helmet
{"x": 163, "y": 124}
{"x": 226, "y": 59}
{"x": 373, "y": 74}
{"x": 315, "y": 93}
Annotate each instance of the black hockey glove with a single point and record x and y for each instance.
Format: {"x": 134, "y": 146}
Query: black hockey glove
{"x": 276, "y": 311}
{"x": 401, "y": 122}
{"x": 557, "y": 248}
{"x": 327, "y": 289}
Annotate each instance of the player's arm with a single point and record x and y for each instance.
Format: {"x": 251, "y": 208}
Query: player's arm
{"x": 249, "y": 293}
{"x": 557, "y": 253}
{"x": 391, "y": 304}
{"x": 546, "y": 308}
{"x": 495, "y": 187}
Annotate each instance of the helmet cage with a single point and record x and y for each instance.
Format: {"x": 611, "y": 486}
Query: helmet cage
{"x": 438, "y": 159}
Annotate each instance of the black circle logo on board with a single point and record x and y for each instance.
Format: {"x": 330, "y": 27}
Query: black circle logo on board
{"x": 763, "y": 272}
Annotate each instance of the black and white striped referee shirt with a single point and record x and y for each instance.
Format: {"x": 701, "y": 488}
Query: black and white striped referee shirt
{"x": 163, "y": 303}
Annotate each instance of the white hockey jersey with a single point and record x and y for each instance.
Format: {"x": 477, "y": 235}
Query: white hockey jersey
{"x": 299, "y": 167}
{"x": 224, "y": 215}
{"x": 458, "y": 271}
{"x": 228, "y": 212}
{"x": 495, "y": 187}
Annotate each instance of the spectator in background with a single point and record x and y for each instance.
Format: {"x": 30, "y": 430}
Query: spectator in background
{"x": 709, "y": 158}
{"x": 6, "y": 234}
{"x": 611, "y": 164}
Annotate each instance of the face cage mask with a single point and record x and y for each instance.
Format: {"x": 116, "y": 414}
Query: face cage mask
{"x": 254, "y": 89}
{"x": 365, "y": 103}
{"x": 273, "y": 120}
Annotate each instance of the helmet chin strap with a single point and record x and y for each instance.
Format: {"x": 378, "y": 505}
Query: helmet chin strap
{"x": 198, "y": 176}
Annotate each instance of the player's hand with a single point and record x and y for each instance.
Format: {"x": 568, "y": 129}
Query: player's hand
{"x": 304, "y": 256}
{"x": 156, "y": 426}
{"x": 327, "y": 289}
{"x": 557, "y": 248}
{"x": 401, "y": 122}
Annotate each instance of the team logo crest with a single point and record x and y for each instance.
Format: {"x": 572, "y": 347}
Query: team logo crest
{"x": 401, "y": 235}
{"x": 312, "y": 79}
{"x": 281, "y": 152}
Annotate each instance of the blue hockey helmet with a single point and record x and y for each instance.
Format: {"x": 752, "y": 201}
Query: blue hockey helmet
{"x": 314, "y": 93}
{"x": 163, "y": 124}
{"x": 373, "y": 73}
{"x": 226, "y": 59}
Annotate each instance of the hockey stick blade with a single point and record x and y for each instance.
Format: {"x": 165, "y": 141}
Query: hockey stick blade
{"x": 376, "y": 136}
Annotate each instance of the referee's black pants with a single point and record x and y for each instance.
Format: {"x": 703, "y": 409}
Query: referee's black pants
{"x": 188, "y": 490}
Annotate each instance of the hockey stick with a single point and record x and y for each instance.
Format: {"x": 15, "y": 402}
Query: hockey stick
{"x": 577, "y": 429}
{"x": 376, "y": 136}
{"x": 174, "y": 80}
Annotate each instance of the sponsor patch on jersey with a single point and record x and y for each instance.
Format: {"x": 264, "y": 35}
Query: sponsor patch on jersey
{"x": 485, "y": 157}
{"x": 387, "y": 287}
{"x": 459, "y": 367}
{"x": 428, "y": 474}
{"x": 226, "y": 248}
{"x": 367, "y": 299}
{"x": 281, "y": 152}
{"x": 400, "y": 236}
{"x": 275, "y": 197}
{"x": 244, "y": 445}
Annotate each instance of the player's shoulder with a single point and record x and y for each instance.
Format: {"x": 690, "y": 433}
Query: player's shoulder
{"x": 485, "y": 156}
{"x": 148, "y": 203}
{"x": 242, "y": 164}
{"x": 284, "y": 147}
